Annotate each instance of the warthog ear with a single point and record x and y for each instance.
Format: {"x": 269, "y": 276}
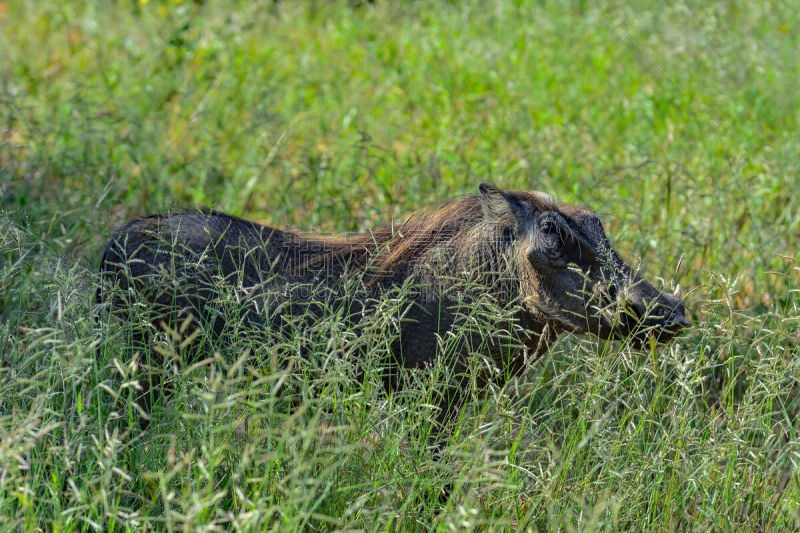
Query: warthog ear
{"x": 498, "y": 207}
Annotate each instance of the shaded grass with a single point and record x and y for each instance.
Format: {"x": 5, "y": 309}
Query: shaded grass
{"x": 678, "y": 125}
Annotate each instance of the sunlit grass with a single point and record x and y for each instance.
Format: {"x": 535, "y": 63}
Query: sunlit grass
{"x": 677, "y": 124}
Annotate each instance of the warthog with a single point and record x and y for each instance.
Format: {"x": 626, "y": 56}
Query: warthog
{"x": 551, "y": 264}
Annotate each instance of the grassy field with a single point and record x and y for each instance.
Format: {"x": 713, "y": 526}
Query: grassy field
{"x": 679, "y": 125}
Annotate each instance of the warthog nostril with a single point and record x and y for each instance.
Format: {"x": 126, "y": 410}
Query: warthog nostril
{"x": 677, "y": 321}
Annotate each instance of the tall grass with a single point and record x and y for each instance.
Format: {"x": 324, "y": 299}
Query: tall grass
{"x": 678, "y": 123}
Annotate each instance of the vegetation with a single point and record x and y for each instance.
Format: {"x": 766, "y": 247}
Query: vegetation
{"x": 678, "y": 124}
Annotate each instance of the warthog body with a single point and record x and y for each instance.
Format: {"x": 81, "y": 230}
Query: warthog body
{"x": 551, "y": 265}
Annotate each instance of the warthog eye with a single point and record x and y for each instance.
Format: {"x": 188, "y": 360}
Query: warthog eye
{"x": 551, "y": 232}
{"x": 555, "y": 233}
{"x": 549, "y": 227}
{"x": 556, "y": 245}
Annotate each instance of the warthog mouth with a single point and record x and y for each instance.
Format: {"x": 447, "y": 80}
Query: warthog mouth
{"x": 640, "y": 330}
{"x": 661, "y": 333}
{"x": 660, "y": 320}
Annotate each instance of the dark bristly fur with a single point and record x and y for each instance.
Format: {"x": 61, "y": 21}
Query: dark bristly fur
{"x": 551, "y": 263}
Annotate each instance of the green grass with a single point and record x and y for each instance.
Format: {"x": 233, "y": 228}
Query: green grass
{"x": 679, "y": 125}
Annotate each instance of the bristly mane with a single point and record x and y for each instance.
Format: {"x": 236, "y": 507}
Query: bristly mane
{"x": 459, "y": 225}
{"x": 389, "y": 247}
{"x": 432, "y": 227}
{"x": 453, "y": 226}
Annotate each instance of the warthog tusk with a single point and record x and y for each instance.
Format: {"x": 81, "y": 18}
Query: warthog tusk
{"x": 678, "y": 292}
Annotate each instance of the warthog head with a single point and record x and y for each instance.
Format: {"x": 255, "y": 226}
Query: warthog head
{"x": 572, "y": 278}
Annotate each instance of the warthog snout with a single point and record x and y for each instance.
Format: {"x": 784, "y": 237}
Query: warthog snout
{"x": 646, "y": 311}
